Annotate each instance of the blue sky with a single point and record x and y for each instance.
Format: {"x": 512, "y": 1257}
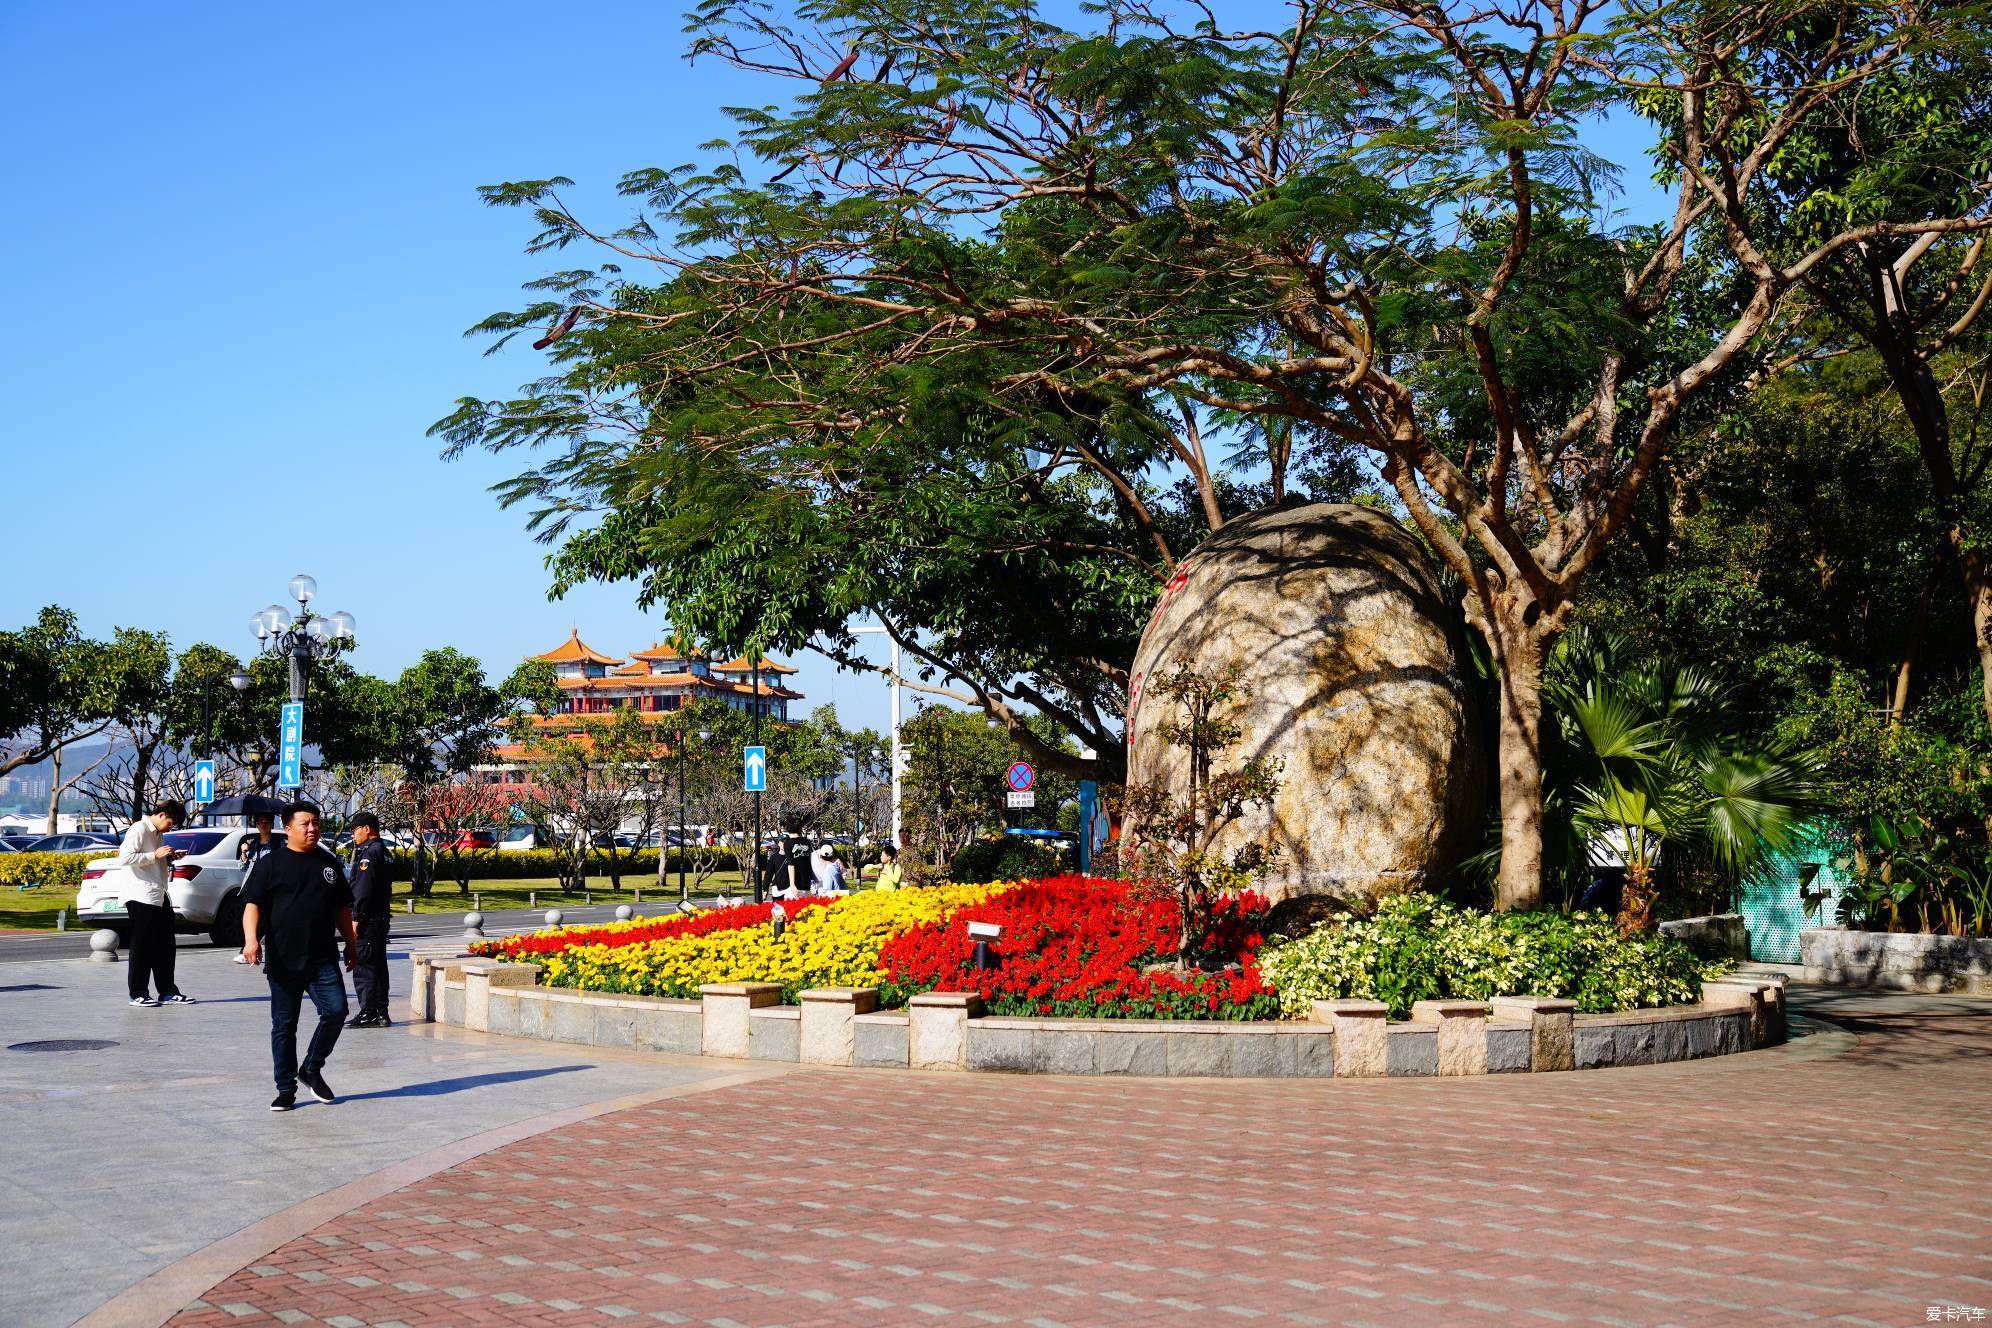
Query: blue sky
{"x": 243, "y": 242}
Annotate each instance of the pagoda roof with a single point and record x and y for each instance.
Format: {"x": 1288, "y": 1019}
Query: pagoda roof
{"x": 575, "y": 651}
{"x": 742, "y": 664}
{"x": 660, "y": 653}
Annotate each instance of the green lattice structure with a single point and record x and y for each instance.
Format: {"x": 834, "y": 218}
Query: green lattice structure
{"x": 1772, "y": 903}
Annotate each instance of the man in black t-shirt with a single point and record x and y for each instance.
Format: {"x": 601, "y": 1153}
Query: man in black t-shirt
{"x": 296, "y": 906}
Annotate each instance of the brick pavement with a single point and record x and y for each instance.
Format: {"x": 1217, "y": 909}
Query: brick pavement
{"x": 1785, "y": 1186}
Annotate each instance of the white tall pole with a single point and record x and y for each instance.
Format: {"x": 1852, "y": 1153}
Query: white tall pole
{"x": 898, "y": 757}
{"x": 898, "y": 753}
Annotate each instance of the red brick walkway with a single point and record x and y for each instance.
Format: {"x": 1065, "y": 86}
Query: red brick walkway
{"x": 1779, "y": 1187}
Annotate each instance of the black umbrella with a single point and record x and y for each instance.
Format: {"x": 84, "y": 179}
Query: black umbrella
{"x": 245, "y": 804}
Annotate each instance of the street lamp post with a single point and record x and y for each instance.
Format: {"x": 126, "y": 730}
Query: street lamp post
{"x": 303, "y": 638}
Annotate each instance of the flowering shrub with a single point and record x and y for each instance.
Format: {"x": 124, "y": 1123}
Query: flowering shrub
{"x": 1074, "y": 946}
{"x": 1417, "y": 948}
{"x": 833, "y": 944}
{"x": 611, "y": 935}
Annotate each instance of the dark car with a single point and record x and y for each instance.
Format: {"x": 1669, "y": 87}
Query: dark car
{"x": 19, "y": 843}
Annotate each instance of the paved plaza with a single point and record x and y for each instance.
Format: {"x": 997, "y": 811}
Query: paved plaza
{"x": 1843, "y": 1178}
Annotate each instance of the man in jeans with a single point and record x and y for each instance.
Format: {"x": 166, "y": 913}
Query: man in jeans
{"x": 295, "y": 908}
{"x": 148, "y": 863}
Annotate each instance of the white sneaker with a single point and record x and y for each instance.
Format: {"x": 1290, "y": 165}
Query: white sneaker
{"x": 143, "y": 1000}
{"x": 241, "y": 958}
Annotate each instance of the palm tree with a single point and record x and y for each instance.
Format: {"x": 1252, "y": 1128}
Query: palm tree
{"x": 1648, "y": 759}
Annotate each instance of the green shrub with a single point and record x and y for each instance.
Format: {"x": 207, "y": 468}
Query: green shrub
{"x": 513, "y": 865}
{"x": 1418, "y": 948}
{"x": 47, "y": 868}
{"x": 1005, "y": 858}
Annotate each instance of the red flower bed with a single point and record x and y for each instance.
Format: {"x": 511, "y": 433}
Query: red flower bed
{"x": 1074, "y": 947}
{"x": 617, "y": 935}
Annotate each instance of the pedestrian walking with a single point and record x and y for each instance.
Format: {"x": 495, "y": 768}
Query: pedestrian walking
{"x": 372, "y": 878}
{"x": 296, "y": 907}
{"x": 148, "y": 862}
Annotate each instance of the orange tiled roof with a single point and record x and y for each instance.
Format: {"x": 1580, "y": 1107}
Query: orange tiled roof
{"x": 639, "y": 669}
{"x": 744, "y": 665}
{"x": 664, "y": 654}
{"x": 575, "y": 651}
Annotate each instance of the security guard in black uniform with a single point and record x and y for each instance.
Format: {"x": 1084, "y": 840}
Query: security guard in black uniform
{"x": 372, "y": 880}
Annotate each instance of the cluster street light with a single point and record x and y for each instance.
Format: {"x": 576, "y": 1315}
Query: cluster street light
{"x": 303, "y": 638}
{"x": 300, "y": 639}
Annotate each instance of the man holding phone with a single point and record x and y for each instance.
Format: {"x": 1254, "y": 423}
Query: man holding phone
{"x": 148, "y": 862}
{"x": 296, "y": 906}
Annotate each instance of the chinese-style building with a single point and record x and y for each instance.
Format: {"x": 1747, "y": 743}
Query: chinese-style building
{"x": 655, "y": 682}
{"x": 658, "y": 680}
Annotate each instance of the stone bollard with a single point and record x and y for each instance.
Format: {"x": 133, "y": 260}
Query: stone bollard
{"x": 473, "y": 926}
{"x": 624, "y": 912}
{"x": 1462, "y": 1034}
{"x": 1362, "y": 1037}
{"x": 937, "y": 1029}
{"x": 411, "y": 908}
{"x": 588, "y": 898}
{"x": 723, "y": 1025}
{"x": 1552, "y": 1028}
{"x": 829, "y": 1022}
{"x": 62, "y": 919}
{"x": 104, "y": 946}
{"x": 553, "y": 917}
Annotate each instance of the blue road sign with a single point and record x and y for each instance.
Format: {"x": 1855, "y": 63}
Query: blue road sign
{"x": 204, "y": 781}
{"x": 290, "y": 758}
{"x": 754, "y": 769}
{"x": 1020, "y": 776}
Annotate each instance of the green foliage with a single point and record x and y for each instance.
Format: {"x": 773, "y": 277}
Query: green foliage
{"x": 1914, "y": 876}
{"x": 1005, "y": 858}
{"x": 61, "y": 869}
{"x": 1416, "y": 947}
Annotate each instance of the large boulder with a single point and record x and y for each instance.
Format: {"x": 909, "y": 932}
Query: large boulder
{"x": 1358, "y": 680}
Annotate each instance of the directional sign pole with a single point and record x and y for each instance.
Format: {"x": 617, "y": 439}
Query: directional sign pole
{"x": 290, "y": 759}
{"x": 754, "y": 700}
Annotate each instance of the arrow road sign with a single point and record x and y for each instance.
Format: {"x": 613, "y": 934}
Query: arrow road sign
{"x": 755, "y": 769}
{"x": 204, "y": 781}
{"x": 1020, "y": 777}
{"x": 290, "y": 756}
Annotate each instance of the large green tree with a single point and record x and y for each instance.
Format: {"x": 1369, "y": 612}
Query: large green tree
{"x": 983, "y": 260}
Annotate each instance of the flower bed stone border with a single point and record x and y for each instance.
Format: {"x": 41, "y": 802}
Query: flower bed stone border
{"x": 948, "y": 1031}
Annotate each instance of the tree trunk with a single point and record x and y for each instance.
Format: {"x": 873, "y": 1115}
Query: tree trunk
{"x": 141, "y": 771}
{"x": 54, "y": 788}
{"x": 1978, "y": 586}
{"x": 1519, "y": 786}
{"x": 1913, "y": 645}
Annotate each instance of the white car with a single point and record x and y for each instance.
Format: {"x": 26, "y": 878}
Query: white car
{"x": 206, "y": 891}
{"x": 519, "y": 838}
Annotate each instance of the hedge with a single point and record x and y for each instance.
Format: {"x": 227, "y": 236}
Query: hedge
{"x": 63, "y": 869}
{"x": 518, "y": 864}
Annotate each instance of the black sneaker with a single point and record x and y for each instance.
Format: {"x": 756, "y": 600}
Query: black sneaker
{"x": 314, "y": 1083}
{"x": 143, "y": 1001}
{"x": 284, "y": 1102}
{"x": 368, "y": 1021}
{"x": 177, "y": 998}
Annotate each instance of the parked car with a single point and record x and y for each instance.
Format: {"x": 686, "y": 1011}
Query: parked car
{"x": 74, "y": 842}
{"x": 606, "y": 840}
{"x": 6, "y": 847}
{"x": 461, "y": 841}
{"x": 19, "y": 843}
{"x": 206, "y": 889}
{"x": 519, "y": 838}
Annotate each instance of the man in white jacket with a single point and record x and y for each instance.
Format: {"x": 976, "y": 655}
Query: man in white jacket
{"x": 148, "y": 863}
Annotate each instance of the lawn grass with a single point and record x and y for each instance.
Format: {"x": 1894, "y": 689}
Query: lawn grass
{"x": 35, "y": 910}
{"x": 496, "y": 895}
